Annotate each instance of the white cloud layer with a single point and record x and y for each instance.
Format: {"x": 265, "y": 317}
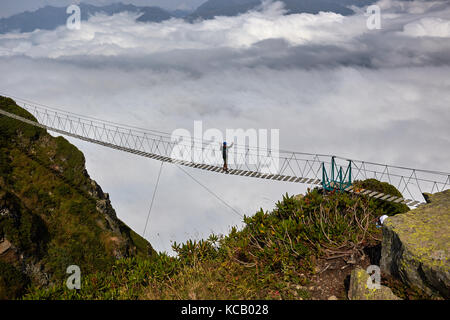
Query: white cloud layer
{"x": 119, "y": 34}
{"x": 330, "y": 84}
{"x": 428, "y": 27}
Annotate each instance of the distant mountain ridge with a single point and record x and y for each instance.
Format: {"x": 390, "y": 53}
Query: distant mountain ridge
{"x": 212, "y": 8}
{"x": 49, "y": 17}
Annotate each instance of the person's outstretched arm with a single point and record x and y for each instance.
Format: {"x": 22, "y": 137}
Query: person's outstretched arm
{"x": 231, "y": 145}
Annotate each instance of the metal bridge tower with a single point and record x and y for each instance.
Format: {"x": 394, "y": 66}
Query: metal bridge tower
{"x": 338, "y": 180}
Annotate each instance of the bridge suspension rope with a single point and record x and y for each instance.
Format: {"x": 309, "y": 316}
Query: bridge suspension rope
{"x": 153, "y": 198}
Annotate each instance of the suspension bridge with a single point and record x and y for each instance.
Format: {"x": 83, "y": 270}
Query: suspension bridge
{"x": 330, "y": 172}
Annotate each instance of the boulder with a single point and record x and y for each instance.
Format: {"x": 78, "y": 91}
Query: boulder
{"x": 359, "y": 289}
{"x": 4, "y": 246}
{"x": 415, "y": 246}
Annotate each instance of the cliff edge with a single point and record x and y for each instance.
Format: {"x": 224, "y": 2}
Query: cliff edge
{"x": 52, "y": 214}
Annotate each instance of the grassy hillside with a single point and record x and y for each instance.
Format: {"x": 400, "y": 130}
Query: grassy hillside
{"x": 52, "y": 214}
{"x": 276, "y": 255}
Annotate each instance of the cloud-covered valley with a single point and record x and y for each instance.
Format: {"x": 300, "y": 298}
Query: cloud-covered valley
{"x": 326, "y": 81}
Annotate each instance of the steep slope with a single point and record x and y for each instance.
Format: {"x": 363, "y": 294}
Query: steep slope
{"x": 52, "y": 214}
{"x": 303, "y": 249}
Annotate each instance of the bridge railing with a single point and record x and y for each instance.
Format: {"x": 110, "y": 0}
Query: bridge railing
{"x": 241, "y": 157}
{"x": 276, "y": 165}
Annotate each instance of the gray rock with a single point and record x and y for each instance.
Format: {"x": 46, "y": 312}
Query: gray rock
{"x": 415, "y": 246}
{"x": 4, "y": 212}
{"x": 4, "y": 246}
{"x": 359, "y": 290}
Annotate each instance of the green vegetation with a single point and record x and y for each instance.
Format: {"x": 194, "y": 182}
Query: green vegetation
{"x": 26, "y": 230}
{"x": 271, "y": 257}
{"x": 12, "y": 281}
{"x": 50, "y": 208}
{"x": 384, "y": 207}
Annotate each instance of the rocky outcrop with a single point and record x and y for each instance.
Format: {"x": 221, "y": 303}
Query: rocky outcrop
{"x": 359, "y": 289}
{"x": 5, "y": 245}
{"x": 415, "y": 246}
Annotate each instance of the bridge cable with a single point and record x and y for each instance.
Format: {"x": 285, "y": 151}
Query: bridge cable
{"x": 153, "y": 198}
{"x": 211, "y": 192}
{"x": 165, "y": 134}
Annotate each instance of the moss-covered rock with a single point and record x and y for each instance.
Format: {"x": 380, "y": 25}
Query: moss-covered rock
{"x": 359, "y": 289}
{"x": 416, "y": 245}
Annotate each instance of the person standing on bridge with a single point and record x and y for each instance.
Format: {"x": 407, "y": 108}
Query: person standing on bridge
{"x": 224, "y": 149}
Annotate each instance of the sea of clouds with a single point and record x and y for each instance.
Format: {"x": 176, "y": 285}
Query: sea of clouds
{"x": 326, "y": 81}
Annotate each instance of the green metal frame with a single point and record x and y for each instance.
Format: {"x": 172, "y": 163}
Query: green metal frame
{"x": 338, "y": 180}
